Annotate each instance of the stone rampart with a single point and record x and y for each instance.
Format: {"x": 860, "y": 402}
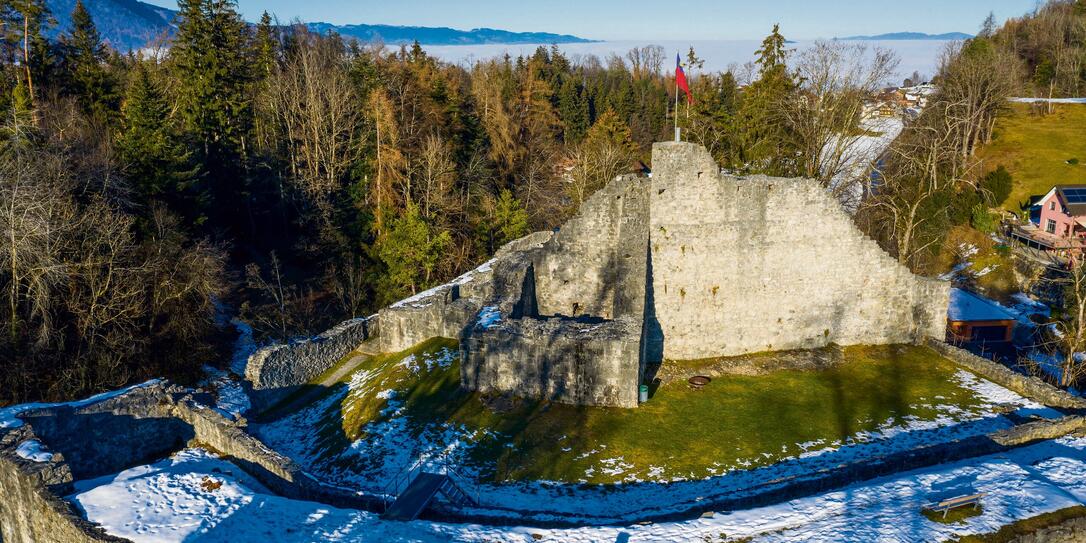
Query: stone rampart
{"x": 1028, "y": 386}
{"x": 108, "y": 436}
{"x": 277, "y": 370}
{"x": 754, "y": 264}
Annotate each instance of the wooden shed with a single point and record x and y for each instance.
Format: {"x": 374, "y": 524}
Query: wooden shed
{"x": 972, "y": 318}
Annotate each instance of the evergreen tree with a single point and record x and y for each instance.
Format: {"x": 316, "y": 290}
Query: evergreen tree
{"x": 988, "y": 27}
{"x": 411, "y": 250}
{"x": 211, "y": 63}
{"x": 156, "y": 162}
{"x": 510, "y": 219}
{"x": 84, "y": 59}
{"x": 573, "y": 110}
{"x": 22, "y": 23}
{"x": 265, "y": 47}
{"x": 763, "y": 142}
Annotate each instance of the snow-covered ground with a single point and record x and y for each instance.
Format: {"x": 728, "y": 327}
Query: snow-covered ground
{"x": 858, "y": 154}
{"x": 195, "y": 497}
{"x": 1053, "y": 100}
{"x": 391, "y": 447}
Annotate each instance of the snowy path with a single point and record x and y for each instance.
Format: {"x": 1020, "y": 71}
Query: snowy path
{"x": 165, "y": 502}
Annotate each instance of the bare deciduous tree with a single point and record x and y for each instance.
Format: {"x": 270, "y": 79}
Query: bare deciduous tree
{"x": 316, "y": 105}
{"x": 826, "y": 115}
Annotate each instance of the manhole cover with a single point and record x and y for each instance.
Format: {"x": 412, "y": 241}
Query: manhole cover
{"x": 698, "y": 381}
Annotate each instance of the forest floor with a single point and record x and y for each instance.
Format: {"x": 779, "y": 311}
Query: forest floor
{"x": 1038, "y": 150}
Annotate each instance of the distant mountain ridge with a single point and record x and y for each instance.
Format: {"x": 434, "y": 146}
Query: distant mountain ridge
{"x": 131, "y": 24}
{"x": 441, "y": 35}
{"x": 125, "y": 24}
{"x": 911, "y": 36}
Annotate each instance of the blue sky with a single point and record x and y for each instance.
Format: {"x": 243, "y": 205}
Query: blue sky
{"x": 655, "y": 20}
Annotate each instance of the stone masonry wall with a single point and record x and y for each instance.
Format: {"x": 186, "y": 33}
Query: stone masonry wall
{"x": 571, "y": 362}
{"x": 297, "y": 362}
{"x": 1028, "y": 386}
{"x": 446, "y": 310}
{"x": 595, "y": 265}
{"x": 30, "y": 510}
{"x": 742, "y": 265}
{"x": 689, "y": 264}
{"x": 569, "y": 312}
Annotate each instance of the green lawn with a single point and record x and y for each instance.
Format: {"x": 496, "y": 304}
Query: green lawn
{"x": 1036, "y": 149}
{"x": 735, "y": 421}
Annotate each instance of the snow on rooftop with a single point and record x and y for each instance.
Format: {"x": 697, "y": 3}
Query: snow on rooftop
{"x": 967, "y": 306}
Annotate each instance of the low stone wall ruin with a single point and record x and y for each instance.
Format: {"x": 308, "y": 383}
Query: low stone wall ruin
{"x": 446, "y": 310}
{"x": 1028, "y": 386}
{"x": 146, "y": 423}
{"x": 277, "y": 370}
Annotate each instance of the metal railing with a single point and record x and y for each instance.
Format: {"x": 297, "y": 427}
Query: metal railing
{"x": 440, "y": 465}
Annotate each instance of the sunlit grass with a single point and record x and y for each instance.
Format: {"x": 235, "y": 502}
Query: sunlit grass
{"x": 1037, "y": 149}
{"x": 734, "y": 421}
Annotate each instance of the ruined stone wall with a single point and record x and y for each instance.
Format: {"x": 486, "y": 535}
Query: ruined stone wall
{"x": 1029, "y": 386}
{"x": 446, "y": 310}
{"x": 31, "y": 513}
{"x": 595, "y": 265}
{"x": 109, "y": 436}
{"x": 580, "y": 363}
{"x": 753, "y": 264}
{"x": 296, "y": 362}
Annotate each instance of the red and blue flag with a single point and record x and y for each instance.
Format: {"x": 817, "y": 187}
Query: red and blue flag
{"x": 680, "y": 80}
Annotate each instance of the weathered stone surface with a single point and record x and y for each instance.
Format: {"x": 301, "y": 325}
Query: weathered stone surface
{"x": 149, "y": 422}
{"x": 689, "y": 264}
{"x": 760, "y": 264}
{"x": 1030, "y": 387}
{"x": 31, "y": 513}
{"x": 1069, "y": 531}
{"x": 569, "y": 361}
{"x": 277, "y": 370}
{"x": 1038, "y": 431}
{"x": 446, "y": 310}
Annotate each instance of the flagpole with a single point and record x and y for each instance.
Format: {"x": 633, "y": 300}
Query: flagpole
{"x": 676, "y": 114}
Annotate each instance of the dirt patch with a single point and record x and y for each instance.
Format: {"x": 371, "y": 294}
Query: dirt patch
{"x": 752, "y": 364}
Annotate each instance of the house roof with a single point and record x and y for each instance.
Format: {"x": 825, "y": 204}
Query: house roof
{"x": 966, "y": 306}
{"x": 1073, "y": 197}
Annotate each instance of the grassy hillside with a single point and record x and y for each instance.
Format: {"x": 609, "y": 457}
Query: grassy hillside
{"x": 1036, "y": 150}
{"x": 400, "y": 404}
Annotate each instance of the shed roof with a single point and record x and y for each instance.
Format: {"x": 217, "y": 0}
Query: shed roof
{"x": 966, "y": 306}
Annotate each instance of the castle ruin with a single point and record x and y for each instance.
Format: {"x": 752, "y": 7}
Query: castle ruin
{"x": 685, "y": 264}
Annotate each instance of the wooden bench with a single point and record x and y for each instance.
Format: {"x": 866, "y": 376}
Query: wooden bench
{"x": 953, "y": 503}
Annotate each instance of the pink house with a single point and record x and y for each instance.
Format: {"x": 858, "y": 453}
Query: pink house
{"x": 1063, "y": 211}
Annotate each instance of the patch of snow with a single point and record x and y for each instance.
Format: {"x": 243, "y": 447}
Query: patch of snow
{"x": 489, "y": 317}
{"x": 9, "y": 416}
{"x": 169, "y": 501}
{"x": 230, "y": 396}
{"x": 417, "y": 299}
{"x": 244, "y": 346}
{"x": 1028, "y": 100}
{"x": 34, "y": 451}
